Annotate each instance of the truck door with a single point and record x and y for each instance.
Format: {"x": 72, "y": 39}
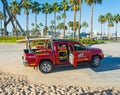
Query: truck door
{"x": 81, "y": 54}
{"x": 72, "y": 58}
{"x": 62, "y": 53}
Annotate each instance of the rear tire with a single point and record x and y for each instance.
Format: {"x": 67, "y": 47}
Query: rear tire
{"x": 45, "y": 67}
{"x": 95, "y": 62}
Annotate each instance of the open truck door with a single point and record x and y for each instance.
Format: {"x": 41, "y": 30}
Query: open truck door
{"x": 72, "y": 57}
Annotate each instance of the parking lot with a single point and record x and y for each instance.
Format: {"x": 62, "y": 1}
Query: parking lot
{"x": 107, "y": 74}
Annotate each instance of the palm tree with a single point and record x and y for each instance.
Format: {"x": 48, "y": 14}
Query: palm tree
{"x": 46, "y": 9}
{"x": 101, "y": 20}
{"x": 1, "y": 18}
{"x": 27, "y": 6}
{"x": 85, "y": 26}
{"x": 15, "y": 9}
{"x": 104, "y": 21}
{"x": 65, "y": 7}
{"x": 70, "y": 25}
{"x": 80, "y": 15}
{"x": 74, "y": 3}
{"x": 45, "y": 31}
{"x": 109, "y": 18}
{"x": 35, "y": 31}
{"x": 41, "y": 25}
{"x": 91, "y": 3}
{"x": 56, "y": 8}
{"x": 116, "y": 18}
{"x": 36, "y": 9}
{"x": 52, "y": 22}
{"x": 61, "y": 26}
{"x": 64, "y": 17}
{"x": 58, "y": 19}
{"x": 33, "y": 25}
{"x": 110, "y": 24}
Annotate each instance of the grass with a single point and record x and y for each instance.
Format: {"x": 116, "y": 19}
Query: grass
{"x": 113, "y": 40}
{"x": 9, "y": 39}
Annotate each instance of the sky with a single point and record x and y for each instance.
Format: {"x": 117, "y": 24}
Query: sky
{"x": 99, "y": 9}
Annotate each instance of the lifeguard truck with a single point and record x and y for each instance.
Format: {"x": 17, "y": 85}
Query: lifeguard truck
{"x": 57, "y": 52}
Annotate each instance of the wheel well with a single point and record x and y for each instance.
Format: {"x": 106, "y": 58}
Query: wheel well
{"x": 45, "y": 60}
{"x": 96, "y": 55}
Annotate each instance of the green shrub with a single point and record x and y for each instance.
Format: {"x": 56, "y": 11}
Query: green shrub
{"x": 100, "y": 41}
{"x": 91, "y": 41}
{"x": 9, "y": 39}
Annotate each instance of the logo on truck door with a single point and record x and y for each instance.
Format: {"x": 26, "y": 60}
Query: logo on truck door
{"x": 80, "y": 55}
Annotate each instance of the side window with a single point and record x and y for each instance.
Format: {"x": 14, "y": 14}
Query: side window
{"x": 62, "y": 47}
{"x": 63, "y": 51}
{"x": 78, "y": 47}
{"x": 71, "y": 48}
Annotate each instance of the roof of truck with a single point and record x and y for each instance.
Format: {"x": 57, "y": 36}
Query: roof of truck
{"x": 38, "y": 39}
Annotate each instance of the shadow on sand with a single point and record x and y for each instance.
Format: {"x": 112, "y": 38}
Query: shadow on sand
{"x": 107, "y": 64}
{"x": 69, "y": 68}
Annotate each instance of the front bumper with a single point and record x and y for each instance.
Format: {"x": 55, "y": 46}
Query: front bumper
{"x": 25, "y": 63}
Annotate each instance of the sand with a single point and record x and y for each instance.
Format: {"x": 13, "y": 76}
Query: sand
{"x": 11, "y": 84}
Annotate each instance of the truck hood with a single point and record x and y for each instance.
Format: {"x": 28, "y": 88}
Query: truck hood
{"x": 93, "y": 49}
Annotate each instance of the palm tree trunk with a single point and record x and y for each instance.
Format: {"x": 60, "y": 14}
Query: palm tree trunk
{"x": 80, "y": 5}
{"x": 54, "y": 24}
{"x": 58, "y": 24}
{"x": 27, "y": 26}
{"x": 35, "y": 19}
{"x": 45, "y": 31}
{"x": 101, "y": 30}
{"x": 27, "y": 33}
{"x": 58, "y": 28}
{"x": 104, "y": 29}
{"x": 91, "y": 21}
{"x": 16, "y": 28}
{"x": 69, "y": 30}
{"x": 85, "y": 29}
{"x": 1, "y": 27}
{"x": 74, "y": 20}
{"x": 46, "y": 20}
{"x": 64, "y": 25}
{"x": 16, "y": 31}
{"x": 27, "y": 19}
{"x": 5, "y": 19}
{"x": 116, "y": 31}
{"x": 108, "y": 32}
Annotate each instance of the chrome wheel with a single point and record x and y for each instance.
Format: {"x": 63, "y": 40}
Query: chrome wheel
{"x": 46, "y": 67}
{"x": 95, "y": 61}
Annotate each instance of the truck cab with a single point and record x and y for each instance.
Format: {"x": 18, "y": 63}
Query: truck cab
{"x": 61, "y": 52}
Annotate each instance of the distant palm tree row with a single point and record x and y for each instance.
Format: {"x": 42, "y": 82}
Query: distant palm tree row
{"x": 110, "y": 20}
{"x": 46, "y": 8}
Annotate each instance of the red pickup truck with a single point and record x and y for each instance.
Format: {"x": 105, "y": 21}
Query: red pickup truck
{"x": 61, "y": 52}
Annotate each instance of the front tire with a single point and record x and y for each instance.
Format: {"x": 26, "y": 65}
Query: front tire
{"x": 45, "y": 67}
{"x": 95, "y": 62}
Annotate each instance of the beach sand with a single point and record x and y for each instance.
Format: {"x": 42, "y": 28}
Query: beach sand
{"x": 11, "y": 84}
